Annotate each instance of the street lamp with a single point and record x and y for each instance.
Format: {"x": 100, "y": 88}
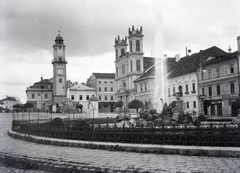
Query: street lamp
{"x": 90, "y": 102}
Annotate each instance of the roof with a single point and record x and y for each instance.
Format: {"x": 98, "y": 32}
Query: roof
{"x": 104, "y": 75}
{"x": 81, "y": 87}
{"x": 148, "y": 62}
{"x": 150, "y": 73}
{"x": 189, "y": 64}
{"x": 9, "y": 99}
{"x": 44, "y": 81}
{"x": 218, "y": 59}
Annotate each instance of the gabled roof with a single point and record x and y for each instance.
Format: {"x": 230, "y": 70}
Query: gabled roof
{"x": 9, "y": 99}
{"x": 148, "y": 62}
{"x": 44, "y": 81}
{"x": 104, "y": 75}
{"x": 189, "y": 64}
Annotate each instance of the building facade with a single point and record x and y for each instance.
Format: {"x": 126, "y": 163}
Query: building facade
{"x": 80, "y": 93}
{"x": 105, "y": 90}
{"x": 129, "y": 65}
{"x": 7, "y": 103}
{"x": 40, "y": 93}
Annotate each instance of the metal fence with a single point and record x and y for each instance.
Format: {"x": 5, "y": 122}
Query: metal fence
{"x": 163, "y": 135}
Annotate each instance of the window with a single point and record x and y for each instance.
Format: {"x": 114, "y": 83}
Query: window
{"x": 131, "y": 67}
{"x": 141, "y": 88}
{"x": 218, "y": 90}
{"x": 99, "y": 89}
{"x": 145, "y": 87}
{"x": 187, "y": 105}
{"x": 87, "y": 97}
{"x": 173, "y": 90}
{"x": 80, "y": 97}
{"x": 99, "y": 81}
{"x": 105, "y": 81}
{"x": 169, "y": 91}
{"x": 203, "y": 91}
{"x": 60, "y": 80}
{"x": 39, "y": 94}
{"x": 193, "y": 87}
{"x": 187, "y": 88}
{"x": 122, "y": 51}
{"x": 232, "y": 88}
{"x": 72, "y": 97}
{"x": 217, "y": 72}
{"x": 116, "y": 54}
{"x": 209, "y": 91}
{"x": 209, "y": 74}
{"x": 111, "y": 82}
{"x": 123, "y": 69}
{"x": 124, "y": 85}
{"x": 116, "y": 71}
{"x": 100, "y": 97}
{"x": 46, "y": 95}
{"x": 138, "y": 46}
{"x": 194, "y": 104}
{"x": 111, "y": 97}
{"x": 105, "y": 97}
{"x": 33, "y": 96}
{"x": 105, "y": 89}
{"x": 138, "y": 64}
{"x": 111, "y": 89}
{"x": 130, "y": 46}
{"x": 231, "y": 69}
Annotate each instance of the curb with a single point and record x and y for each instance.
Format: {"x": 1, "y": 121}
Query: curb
{"x": 140, "y": 148}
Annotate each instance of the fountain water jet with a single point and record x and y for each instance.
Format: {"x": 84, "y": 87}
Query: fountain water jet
{"x": 160, "y": 83}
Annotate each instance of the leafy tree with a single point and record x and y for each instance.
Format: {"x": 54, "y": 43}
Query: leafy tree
{"x": 135, "y": 104}
{"x": 28, "y": 105}
{"x": 18, "y": 107}
{"x": 119, "y": 104}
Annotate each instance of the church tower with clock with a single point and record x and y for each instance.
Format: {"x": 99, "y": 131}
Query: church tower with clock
{"x": 59, "y": 71}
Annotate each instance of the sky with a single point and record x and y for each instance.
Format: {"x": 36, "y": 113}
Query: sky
{"x": 28, "y": 29}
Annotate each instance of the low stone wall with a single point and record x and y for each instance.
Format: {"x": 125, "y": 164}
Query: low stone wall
{"x": 141, "y": 148}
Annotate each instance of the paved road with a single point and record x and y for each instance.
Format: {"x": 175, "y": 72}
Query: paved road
{"x": 111, "y": 159}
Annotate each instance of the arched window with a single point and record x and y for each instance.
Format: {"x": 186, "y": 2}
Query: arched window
{"x": 122, "y": 51}
{"x": 123, "y": 69}
{"x": 131, "y": 67}
{"x": 138, "y": 64}
{"x": 124, "y": 85}
{"x": 130, "y": 46}
{"x": 138, "y": 46}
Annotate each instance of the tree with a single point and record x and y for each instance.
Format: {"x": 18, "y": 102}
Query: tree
{"x": 28, "y": 105}
{"x": 18, "y": 107}
{"x": 119, "y": 104}
{"x": 135, "y": 104}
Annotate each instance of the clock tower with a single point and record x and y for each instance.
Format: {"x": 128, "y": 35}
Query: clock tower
{"x": 59, "y": 71}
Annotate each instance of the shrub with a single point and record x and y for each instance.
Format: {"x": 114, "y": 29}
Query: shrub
{"x": 202, "y": 118}
{"x": 153, "y": 111}
{"x": 56, "y": 122}
{"x": 81, "y": 125}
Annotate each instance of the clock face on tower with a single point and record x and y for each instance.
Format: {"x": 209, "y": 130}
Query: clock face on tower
{"x": 60, "y": 71}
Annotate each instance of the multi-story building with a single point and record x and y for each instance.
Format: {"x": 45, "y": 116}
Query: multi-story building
{"x": 40, "y": 93}
{"x": 80, "y": 93}
{"x": 183, "y": 79}
{"x": 105, "y": 90}
{"x": 219, "y": 83}
{"x": 130, "y": 65}
{"x": 7, "y": 103}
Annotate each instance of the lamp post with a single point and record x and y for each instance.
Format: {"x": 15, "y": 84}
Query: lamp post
{"x": 210, "y": 98}
{"x": 89, "y": 103}
{"x": 93, "y": 101}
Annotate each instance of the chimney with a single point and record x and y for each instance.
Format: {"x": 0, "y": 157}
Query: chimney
{"x": 177, "y": 57}
{"x": 229, "y": 50}
{"x": 41, "y": 78}
{"x": 238, "y": 43}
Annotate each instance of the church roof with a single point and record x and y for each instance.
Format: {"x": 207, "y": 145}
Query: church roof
{"x": 189, "y": 64}
{"x": 104, "y": 75}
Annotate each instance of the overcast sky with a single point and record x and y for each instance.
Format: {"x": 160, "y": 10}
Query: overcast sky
{"x": 28, "y": 29}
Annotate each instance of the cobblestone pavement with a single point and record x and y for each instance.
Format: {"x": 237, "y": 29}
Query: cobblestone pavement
{"x": 91, "y": 158}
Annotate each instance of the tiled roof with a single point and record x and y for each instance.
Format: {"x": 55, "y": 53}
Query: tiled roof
{"x": 104, "y": 75}
{"x": 148, "y": 62}
{"x": 218, "y": 59}
{"x": 170, "y": 62}
{"x": 9, "y": 99}
{"x": 189, "y": 64}
{"x": 44, "y": 81}
{"x": 81, "y": 87}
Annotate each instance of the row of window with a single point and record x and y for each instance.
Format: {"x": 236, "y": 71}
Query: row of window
{"x": 216, "y": 72}
{"x": 105, "y": 89}
{"x": 180, "y": 89}
{"x": 111, "y": 82}
{"x": 218, "y": 90}
{"x": 194, "y": 104}
{"x": 105, "y": 97}
{"x": 141, "y": 88}
{"x": 80, "y": 97}
{"x": 39, "y": 95}
{"x": 123, "y": 68}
